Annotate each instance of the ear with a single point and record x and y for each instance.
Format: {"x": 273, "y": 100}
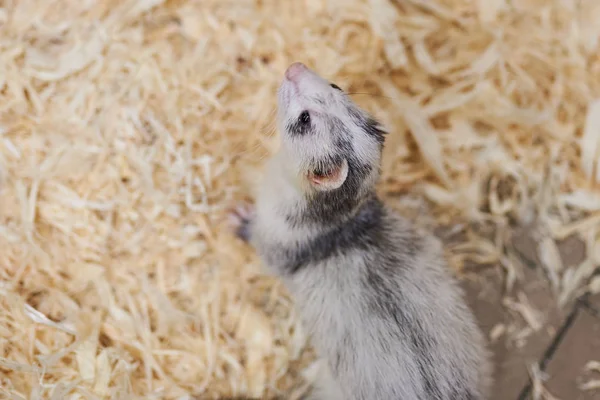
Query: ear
{"x": 374, "y": 128}
{"x": 330, "y": 180}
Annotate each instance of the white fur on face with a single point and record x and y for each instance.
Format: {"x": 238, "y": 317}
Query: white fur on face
{"x": 327, "y": 107}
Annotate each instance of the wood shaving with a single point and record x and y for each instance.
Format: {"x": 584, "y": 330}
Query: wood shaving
{"x": 531, "y": 316}
{"x": 592, "y": 384}
{"x": 593, "y": 366}
{"x": 551, "y": 260}
{"x": 538, "y": 377}
{"x": 127, "y": 128}
{"x": 497, "y": 331}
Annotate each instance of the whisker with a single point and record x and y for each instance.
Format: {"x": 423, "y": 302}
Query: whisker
{"x": 370, "y": 94}
{"x": 268, "y": 130}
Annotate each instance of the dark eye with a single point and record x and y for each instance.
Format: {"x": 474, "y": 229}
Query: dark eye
{"x": 304, "y": 118}
{"x": 333, "y": 85}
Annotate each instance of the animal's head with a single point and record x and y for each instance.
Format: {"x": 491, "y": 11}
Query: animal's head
{"x": 331, "y": 143}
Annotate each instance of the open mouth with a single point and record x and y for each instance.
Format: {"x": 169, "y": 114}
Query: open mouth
{"x": 325, "y": 171}
{"x": 330, "y": 174}
{"x": 327, "y": 166}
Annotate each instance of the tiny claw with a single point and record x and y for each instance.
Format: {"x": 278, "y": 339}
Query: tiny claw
{"x": 239, "y": 219}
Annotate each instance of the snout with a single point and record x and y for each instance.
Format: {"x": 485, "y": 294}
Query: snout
{"x": 295, "y": 71}
{"x": 304, "y": 80}
{"x": 301, "y": 84}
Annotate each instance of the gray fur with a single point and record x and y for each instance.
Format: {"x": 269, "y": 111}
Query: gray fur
{"x": 376, "y": 295}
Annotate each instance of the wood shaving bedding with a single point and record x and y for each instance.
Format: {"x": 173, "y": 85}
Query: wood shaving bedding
{"x": 128, "y": 127}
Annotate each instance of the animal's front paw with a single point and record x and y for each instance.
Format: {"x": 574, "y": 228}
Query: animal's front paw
{"x": 240, "y": 218}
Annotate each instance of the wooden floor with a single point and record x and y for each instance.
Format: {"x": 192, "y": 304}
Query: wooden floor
{"x": 561, "y": 341}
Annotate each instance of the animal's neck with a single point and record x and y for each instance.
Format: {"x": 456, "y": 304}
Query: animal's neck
{"x": 329, "y": 208}
{"x": 336, "y": 206}
{"x": 306, "y": 208}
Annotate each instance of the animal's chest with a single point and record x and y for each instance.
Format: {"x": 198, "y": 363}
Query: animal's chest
{"x": 328, "y": 298}
{"x": 365, "y": 353}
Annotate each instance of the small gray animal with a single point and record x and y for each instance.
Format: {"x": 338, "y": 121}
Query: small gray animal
{"x": 381, "y": 306}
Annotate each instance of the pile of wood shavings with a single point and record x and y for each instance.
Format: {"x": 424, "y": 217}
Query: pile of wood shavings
{"x": 128, "y": 127}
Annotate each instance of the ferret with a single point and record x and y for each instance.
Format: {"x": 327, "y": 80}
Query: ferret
{"x": 375, "y": 295}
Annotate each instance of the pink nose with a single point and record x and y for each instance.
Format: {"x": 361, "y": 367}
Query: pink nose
{"x": 294, "y": 71}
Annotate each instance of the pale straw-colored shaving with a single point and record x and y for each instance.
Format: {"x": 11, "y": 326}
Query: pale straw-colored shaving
{"x": 496, "y": 332}
{"x": 593, "y": 366}
{"x": 594, "y": 286}
{"x": 530, "y": 315}
{"x": 574, "y": 277}
{"x": 538, "y": 378}
{"x": 127, "y": 128}
{"x": 591, "y": 384}
{"x": 550, "y": 258}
